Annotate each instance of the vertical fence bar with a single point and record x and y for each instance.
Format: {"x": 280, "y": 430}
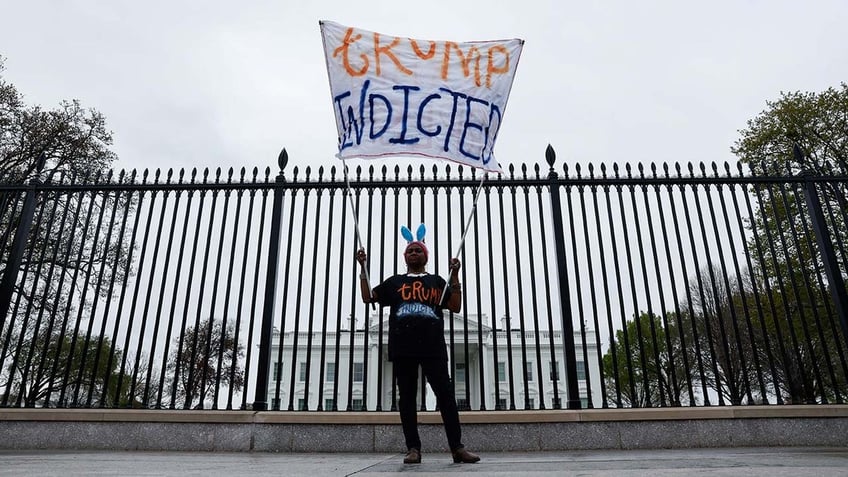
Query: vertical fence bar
{"x": 743, "y": 295}
{"x": 755, "y": 292}
{"x": 736, "y": 374}
{"x": 295, "y": 373}
{"x": 97, "y": 290}
{"x": 520, "y": 281}
{"x": 711, "y": 296}
{"x": 573, "y": 391}
{"x": 278, "y": 363}
{"x": 643, "y": 354}
{"x": 839, "y": 243}
{"x": 831, "y": 266}
{"x": 584, "y": 348}
{"x": 534, "y": 296}
{"x": 260, "y": 400}
{"x": 665, "y": 363}
{"x": 16, "y": 252}
{"x": 104, "y": 398}
{"x": 21, "y": 246}
{"x": 342, "y": 253}
{"x": 819, "y": 295}
{"x": 256, "y": 271}
{"x": 213, "y": 334}
{"x": 678, "y": 391}
{"x": 313, "y": 283}
{"x": 29, "y": 400}
{"x": 507, "y": 308}
{"x": 48, "y": 282}
{"x": 177, "y": 277}
{"x": 236, "y": 343}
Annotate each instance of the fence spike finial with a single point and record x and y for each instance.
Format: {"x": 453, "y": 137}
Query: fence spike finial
{"x": 283, "y": 159}
{"x": 550, "y": 156}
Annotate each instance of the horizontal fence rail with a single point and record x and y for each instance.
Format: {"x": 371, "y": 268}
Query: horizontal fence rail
{"x": 585, "y": 287}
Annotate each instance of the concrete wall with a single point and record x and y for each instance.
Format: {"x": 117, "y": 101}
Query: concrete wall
{"x": 244, "y": 431}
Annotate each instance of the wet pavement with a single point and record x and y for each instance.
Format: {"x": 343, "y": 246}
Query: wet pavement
{"x": 770, "y": 461}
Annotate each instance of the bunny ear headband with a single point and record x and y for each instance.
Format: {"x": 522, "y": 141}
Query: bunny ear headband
{"x": 419, "y": 234}
{"x": 418, "y": 239}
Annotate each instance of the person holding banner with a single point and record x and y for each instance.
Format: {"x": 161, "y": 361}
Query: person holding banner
{"x": 416, "y": 339}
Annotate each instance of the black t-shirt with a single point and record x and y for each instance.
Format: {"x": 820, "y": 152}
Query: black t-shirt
{"x": 416, "y": 323}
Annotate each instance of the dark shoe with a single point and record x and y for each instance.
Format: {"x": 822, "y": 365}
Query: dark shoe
{"x": 462, "y": 456}
{"x": 413, "y": 456}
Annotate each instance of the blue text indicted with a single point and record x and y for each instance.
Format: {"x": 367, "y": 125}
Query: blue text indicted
{"x": 403, "y": 118}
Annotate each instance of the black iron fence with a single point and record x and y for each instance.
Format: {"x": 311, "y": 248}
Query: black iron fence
{"x": 585, "y": 287}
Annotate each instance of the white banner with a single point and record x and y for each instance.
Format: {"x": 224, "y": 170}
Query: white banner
{"x": 395, "y": 96}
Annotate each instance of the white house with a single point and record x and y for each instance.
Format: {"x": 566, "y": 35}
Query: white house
{"x": 489, "y": 372}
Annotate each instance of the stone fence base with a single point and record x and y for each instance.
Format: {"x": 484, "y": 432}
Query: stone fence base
{"x": 270, "y": 431}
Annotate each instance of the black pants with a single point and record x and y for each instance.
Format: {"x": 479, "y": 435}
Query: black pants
{"x": 436, "y": 372}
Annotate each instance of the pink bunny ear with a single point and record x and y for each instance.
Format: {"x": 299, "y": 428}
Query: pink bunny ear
{"x": 419, "y": 234}
{"x": 407, "y": 234}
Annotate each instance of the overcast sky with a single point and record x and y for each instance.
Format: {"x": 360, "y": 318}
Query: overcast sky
{"x": 213, "y": 83}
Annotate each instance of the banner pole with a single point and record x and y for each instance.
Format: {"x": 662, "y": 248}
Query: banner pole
{"x": 467, "y": 224}
{"x": 356, "y": 226}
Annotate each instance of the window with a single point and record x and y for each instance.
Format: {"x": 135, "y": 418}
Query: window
{"x": 330, "y": 375}
{"x": 275, "y": 404}
{"x": 358, "y": 405}
{"x": 581, "y": 370}
{"x": 459, "y": 374}
{"x": 301, "y": 404}
{"x": 329, "y": 404}
{"x": 462, "y": 404}
{"x": 304, "y": 370}
{"x": 277, "y": 372}
{"x": 501, "y": 372}
{"x": 358, "y": 372}
{"x": 501, "y": 404}
{"x": 554, "y": 371}
{"x": 529, "y": 367}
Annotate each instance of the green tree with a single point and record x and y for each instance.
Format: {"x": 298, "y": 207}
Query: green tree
{"x": 205, "y": 359}
{"x": 73, "y": 233}
{"x": 808, "y": 351}
{"x": 61, "y": 369}
{"x": 646, "y": 364}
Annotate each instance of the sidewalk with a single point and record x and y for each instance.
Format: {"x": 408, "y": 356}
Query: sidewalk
{"x": 748, "y": 462}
